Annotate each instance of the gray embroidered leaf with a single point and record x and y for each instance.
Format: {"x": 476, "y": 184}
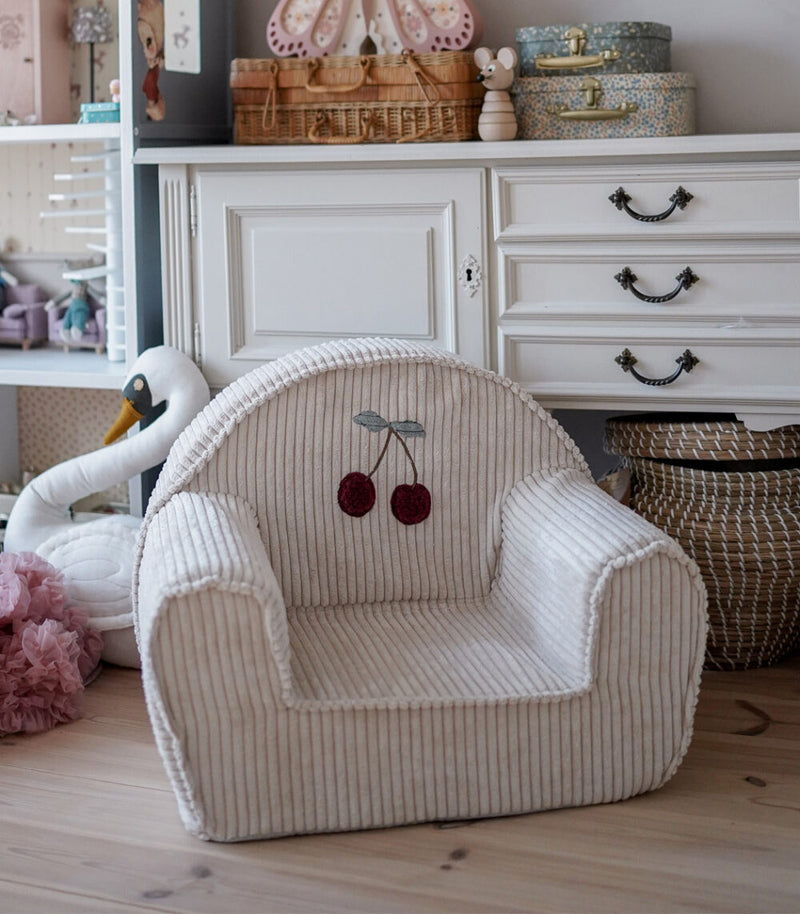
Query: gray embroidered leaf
{"x": 371, "y": 421}
{"x": 408, "y": 429}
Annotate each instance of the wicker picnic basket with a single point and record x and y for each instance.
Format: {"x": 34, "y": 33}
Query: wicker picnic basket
{"x": 731, "y": 497}
{"x": 369, "y": 99}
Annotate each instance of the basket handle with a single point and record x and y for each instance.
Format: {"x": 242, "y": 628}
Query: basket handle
{"x": 271, "y": 99}
{"x": 426, "y": 82}
{"x": 686, "y": 362}
{"x": 322, "y": 119}
{"x": 364, "y": 62}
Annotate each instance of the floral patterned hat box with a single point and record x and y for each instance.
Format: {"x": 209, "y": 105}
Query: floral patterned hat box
{"x": 617, "y": 105}
{"x": 610, "y": 47}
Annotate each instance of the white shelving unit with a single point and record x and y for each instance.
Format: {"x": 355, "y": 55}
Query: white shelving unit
{"x": 60, "y": 133}
{"x": 105, "y": 186}
{"x": 50, "y": 366}
{"x": 55, "y": 368}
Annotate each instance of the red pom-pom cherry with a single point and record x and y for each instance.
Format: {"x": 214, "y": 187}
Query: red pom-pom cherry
{"x": 411, "y": 504}
{"x": 356, "y": 494}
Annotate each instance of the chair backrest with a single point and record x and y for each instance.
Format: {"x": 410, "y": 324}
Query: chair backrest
{"x": 284, "y": 437}
{"x": 25, "y": 294}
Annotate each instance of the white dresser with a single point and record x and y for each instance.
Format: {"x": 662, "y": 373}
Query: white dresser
{"x": 652, "y": 274}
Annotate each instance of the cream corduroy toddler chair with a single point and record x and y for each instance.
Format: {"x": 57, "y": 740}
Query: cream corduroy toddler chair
{"x": 325, "y": 648}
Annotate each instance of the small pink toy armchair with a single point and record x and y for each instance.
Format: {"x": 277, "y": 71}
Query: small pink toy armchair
{"x": 377, "y": 585}
{"x": 94, "y": 336}
{"x": 23, "y": 321}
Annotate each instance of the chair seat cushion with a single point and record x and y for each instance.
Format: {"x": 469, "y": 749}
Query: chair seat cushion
{"x": 411, "y": 653}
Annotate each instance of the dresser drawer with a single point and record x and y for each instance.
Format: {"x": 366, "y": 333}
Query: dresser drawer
{"x": 722, "y": 284}
{"x": 580, "y": 367}
{"x": 574, "y": 202}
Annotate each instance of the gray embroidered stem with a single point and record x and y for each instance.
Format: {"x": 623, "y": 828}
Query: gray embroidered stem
{"x": 408, "y": 453}
{"x": 383, "y": 452}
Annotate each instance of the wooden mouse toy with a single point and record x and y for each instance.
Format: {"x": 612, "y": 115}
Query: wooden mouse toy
{"x": 497, "y": 120}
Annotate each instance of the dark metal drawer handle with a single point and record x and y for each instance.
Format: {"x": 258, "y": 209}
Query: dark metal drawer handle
{"x": 626, "y": 278}
{"x": 686, "y": 362}
{"x": 679, "y": 199}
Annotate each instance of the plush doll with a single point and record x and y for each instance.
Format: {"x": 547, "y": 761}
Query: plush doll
{"x": 6, "y": 279}
{"x": 150, "y": 26}
{"x": 73, "y": 326}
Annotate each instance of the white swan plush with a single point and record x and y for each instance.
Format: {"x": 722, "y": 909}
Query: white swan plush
{"x": 96, "y": 558}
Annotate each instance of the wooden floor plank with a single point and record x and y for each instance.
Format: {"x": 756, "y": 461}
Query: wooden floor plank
{"x": 88, "y": 823}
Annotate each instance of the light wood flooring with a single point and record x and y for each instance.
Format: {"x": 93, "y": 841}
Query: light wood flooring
{"x": 88, "y": 823}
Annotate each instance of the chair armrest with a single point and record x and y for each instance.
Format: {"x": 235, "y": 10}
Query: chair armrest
{"x": 208, "y": 544}
{"x": 578, "y": 560}
{"x": 33, "y": 316}
{"x": 55, "y": 313}
{"x": 16, "y": 311}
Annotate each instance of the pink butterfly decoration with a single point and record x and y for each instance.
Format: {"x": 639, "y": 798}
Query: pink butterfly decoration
{"x": 313, "y": 28}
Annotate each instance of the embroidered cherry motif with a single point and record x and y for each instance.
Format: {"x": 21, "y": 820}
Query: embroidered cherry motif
{"x": 356, "y": 494}
{"x": 410, "y": 504}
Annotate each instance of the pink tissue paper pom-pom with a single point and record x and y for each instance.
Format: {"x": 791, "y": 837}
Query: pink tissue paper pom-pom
{"x": 45, "y": 584}
{"x": 47, "y": 650}
{"x": 15, "y": 598}
{"x": 91, "y": 641}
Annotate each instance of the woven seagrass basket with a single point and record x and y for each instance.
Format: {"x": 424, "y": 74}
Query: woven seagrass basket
{"x": 391, "y": 98}
{"x": 731, "y": 498}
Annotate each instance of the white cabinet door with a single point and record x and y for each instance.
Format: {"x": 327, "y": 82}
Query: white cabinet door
{"x": 285, "y": 259}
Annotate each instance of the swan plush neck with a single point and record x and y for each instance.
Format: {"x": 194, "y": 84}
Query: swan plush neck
{"x": 42, "y": 509}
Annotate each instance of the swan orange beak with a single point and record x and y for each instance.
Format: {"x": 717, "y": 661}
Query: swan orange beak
{"x": 128, "y": 416}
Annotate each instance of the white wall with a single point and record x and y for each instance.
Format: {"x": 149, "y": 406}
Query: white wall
{"x": 743, "y": 53}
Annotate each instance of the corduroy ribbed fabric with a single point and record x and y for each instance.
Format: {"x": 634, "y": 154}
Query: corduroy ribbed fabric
{"x": 531, "y": 644}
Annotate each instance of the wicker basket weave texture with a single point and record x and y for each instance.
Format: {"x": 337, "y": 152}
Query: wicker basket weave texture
{"x": 741, "y": 527}
{"x": 712, "y": 438}
{"x": 375, "y": 122}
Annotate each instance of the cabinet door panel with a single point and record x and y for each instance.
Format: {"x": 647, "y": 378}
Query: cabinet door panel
{"x": 351, "y": 277}
{"x": 285, "y": 259}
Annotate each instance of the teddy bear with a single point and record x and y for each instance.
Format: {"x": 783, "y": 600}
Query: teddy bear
{"x": 150, "y": 25}
{"x": 497, "y": 120}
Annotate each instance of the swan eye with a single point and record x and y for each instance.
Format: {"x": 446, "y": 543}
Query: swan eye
{"x": 138, "y": 392}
